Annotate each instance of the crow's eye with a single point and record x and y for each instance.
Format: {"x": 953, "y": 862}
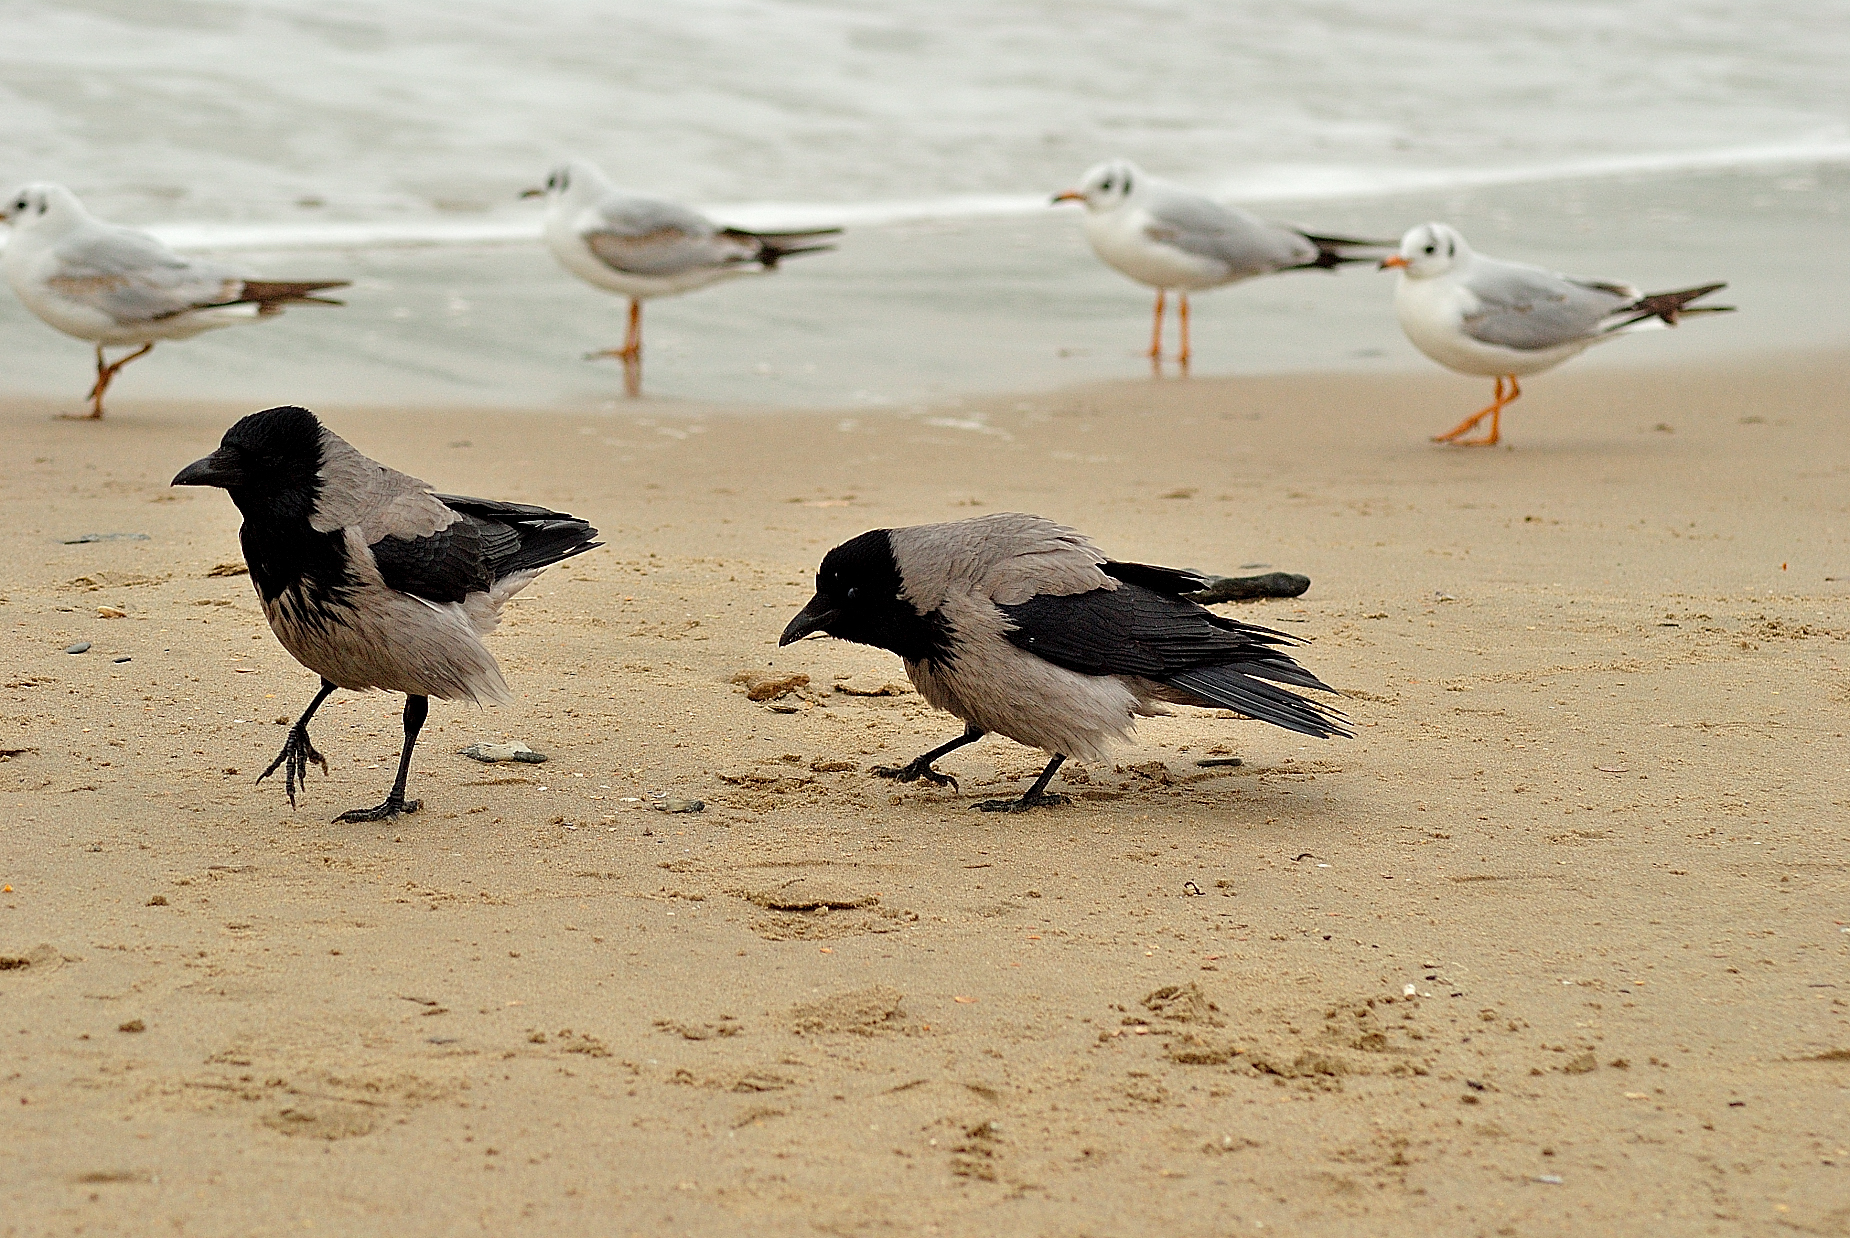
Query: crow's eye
{"x": 852, "y": 594}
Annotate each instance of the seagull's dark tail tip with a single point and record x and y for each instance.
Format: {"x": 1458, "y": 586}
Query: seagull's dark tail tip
{"x": 1671, "y": 306}
{"x": 1330, "y": 251}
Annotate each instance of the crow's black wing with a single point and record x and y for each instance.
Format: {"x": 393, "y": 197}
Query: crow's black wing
{"x": 445, "y": 566}
{"x": 489, "y": 541}
{"x": 517, "y": 537}
{"x": 1133, "y": 630}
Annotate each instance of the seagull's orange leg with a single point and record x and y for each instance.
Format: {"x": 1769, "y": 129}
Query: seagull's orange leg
{"x": 631, "y": 352}
{"x": 105, "y": 374}
{"x": 632, "y": 339}
{"x": 1156, "y": 330}
{"x": 1470, "y": 423}
{"x": 1495, "y": 411}
{"x": 1184, "y": 313}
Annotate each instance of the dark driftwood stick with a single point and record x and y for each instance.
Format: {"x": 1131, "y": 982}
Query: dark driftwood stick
{"x": 1247, "y": 588}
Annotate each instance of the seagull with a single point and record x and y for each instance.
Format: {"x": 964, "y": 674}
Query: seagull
{"x": 1174, "y": 238}
{"x": 1502, "y": 320}
{"x": 649, "y": 247}
{"x": 372, "y": 581}
{"x": 116, "y": 286}
{"x": 1021, "y": 626}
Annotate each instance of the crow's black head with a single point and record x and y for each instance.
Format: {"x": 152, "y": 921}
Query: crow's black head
{"x": 860, "y": 597}
{"x": 269, "y": 462}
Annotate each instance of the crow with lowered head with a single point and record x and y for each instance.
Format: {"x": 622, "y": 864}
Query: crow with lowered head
{"x": 372, "y": 581}
{"x": 1020, "y": 626}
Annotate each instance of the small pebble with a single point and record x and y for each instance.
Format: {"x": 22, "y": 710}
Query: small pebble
{"x": 1210, "y": 762}
{"x": 493, "y": 754}
{"x": 82, "y": 646}
{"x": 133, "y": 1025}
{"x": 679, "y": 805}
{"x": 124, "y": 658}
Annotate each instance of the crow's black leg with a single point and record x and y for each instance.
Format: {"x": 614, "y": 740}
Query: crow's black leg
{"x": 298, "y": 751}
{"x": 417, "y": 708}
{"x": 919, "y": 768}
{"x": 1035, "y": 797}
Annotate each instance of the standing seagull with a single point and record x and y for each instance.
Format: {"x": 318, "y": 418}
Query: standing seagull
{"x": 1174, "y": 238}
{"x": 117, "y": 286}
{"x": 1501, "y": 320}
{"x": 647, "y": 247}
{"x": 1020, "y": 626}
{"x": 370, "y": 580}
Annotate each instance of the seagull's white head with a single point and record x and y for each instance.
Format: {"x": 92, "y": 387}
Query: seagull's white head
{"x": 1429, "y": 250}
{"x": 42, "y": 206}
{"x": 578, "y": 180}
{"x": 1105, "y": 187}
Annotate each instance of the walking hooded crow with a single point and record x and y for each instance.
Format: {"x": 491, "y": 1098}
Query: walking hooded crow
{"x": 1020, "y": 626}
{"x": 370, "y": 580}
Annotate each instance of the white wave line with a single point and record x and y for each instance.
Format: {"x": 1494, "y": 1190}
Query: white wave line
{"x": 1296, "y": 184}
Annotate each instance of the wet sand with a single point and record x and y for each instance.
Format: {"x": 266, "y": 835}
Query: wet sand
{"x": 1556, "y": 945}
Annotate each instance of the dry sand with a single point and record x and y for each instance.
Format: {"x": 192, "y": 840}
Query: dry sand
{"x": 1556, "y": 945}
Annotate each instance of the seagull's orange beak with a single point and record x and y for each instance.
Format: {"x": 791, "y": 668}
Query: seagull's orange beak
{"x": 1393, "y": 260}
{"x": 1070, "y": 195}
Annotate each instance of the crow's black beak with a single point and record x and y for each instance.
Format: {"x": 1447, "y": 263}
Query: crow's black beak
{"x": 812, "y": 619}
{"x": 214, "y": 470}
{"x": 533, "y": 193}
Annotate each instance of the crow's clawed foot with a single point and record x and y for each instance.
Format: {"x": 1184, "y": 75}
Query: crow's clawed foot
{"x": 394, "y": 805}
{"x": 295, "y": 758}
{"x": 1026, "y": 802}
{"x": 917, "y": 771}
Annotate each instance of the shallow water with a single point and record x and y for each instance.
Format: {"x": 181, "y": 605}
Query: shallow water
{"x": 319, "y": 140}
{"x": 907, "y": 314}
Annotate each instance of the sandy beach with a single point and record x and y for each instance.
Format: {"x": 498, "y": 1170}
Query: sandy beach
{"x": 1556, "y": 945}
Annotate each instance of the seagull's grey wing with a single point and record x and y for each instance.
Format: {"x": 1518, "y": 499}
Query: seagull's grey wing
{"x": 134, "y": 278}
{"x": 1248, "y": 244}
{"x": 1528, "y": 308}
{"x": 646, "y": 236}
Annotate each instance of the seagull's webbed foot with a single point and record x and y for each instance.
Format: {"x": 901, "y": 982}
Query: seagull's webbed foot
{"x": 919, "y": 770}
{"x": 395, "y": 804}
{"x": 297, "y": 754}
{"x": 1044, "y": 799}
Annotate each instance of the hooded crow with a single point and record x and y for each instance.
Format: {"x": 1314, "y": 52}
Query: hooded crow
{"x": 1020, "y": 626}
{"x": 370, "y": 580}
